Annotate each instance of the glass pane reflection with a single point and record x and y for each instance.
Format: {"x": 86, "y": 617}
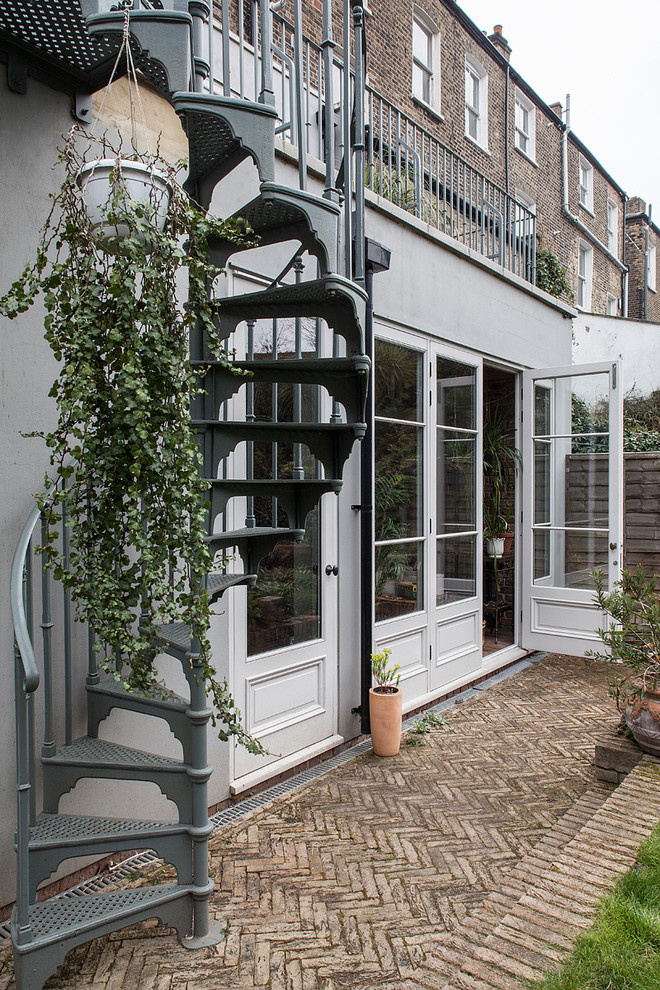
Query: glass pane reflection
{"x": 455, "y": 569}
{"x": 456, "y": 394}
{"x": 456, "y": 482}
{"x": 284, "y": 606}
{"x": 398, "y": 381}
{"x": 399, "y": 572}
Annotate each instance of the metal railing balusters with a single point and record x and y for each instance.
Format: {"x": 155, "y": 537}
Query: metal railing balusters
{"x": 226, "y": 65}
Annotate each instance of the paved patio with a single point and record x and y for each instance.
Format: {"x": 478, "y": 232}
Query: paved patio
{"x": 468, "y": 862}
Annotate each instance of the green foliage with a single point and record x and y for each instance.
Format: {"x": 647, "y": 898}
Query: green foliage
{"x": 633, "y": 637}
{"x": 422, "y": 726}
{"x": 501, "y": 459}
{"x": 387, "y": 678}
{"x": 641, "y": 423}
{"x": 126, "y": 477}
{"x": 551, "y": 276}
{"x": 622, "y": 949}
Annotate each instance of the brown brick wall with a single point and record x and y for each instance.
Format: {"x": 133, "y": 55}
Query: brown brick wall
{"x": 389, "y": 38}
{"x": 637, "y": 226}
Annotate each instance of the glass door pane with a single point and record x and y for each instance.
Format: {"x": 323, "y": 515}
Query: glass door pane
{"x": 456, "y": 472}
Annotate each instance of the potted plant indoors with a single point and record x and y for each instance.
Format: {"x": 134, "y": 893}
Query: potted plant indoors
{"x": 632, "y": 639}
{"x": 125, "y": 462}
{"x": 501, "y": 460}
{"x": 385, "y": 705}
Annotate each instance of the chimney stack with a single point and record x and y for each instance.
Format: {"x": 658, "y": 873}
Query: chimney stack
{"x": 498, "y": 39}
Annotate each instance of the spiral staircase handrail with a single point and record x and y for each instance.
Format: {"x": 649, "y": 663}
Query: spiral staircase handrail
{"x": 19, "y": 619}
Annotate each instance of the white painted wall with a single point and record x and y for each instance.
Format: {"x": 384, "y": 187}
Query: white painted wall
{"x": 606, "y": 338}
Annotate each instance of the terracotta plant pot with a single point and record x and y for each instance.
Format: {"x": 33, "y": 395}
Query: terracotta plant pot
{"x": 385, "y": 716}
{"x": 642, "y": 714}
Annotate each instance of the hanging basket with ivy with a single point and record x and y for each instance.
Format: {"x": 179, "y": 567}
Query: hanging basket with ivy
{"x": 125, "y": 462}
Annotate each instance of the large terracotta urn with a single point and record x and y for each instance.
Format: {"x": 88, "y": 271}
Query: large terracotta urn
{"x": 385, "y": 706}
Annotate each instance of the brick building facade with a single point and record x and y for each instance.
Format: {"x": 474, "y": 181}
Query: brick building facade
{"x": 457, "y": 83}
{"x": 643, "y": 258}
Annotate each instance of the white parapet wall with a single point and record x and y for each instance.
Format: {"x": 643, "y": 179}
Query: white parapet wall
{"x": 637, "y": 343}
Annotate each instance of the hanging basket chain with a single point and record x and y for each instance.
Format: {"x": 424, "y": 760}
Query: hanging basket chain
{"x": 134, "y": 95}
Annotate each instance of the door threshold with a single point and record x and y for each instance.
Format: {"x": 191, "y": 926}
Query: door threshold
{"x": 270, "y": 772}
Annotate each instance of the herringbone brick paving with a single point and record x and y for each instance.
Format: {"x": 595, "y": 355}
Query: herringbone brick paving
{"x": 464, "y": 864}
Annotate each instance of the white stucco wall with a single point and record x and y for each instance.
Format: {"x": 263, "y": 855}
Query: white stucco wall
{"x": 606, "y": 338}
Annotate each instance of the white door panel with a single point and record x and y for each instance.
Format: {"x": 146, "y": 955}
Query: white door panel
{"x": 572, "y": 432}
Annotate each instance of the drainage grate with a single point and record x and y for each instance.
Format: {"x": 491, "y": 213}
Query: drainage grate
{"x": 228, "y": 816}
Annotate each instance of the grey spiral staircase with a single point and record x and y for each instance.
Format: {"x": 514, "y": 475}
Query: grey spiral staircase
{"x": 222, "y": 131}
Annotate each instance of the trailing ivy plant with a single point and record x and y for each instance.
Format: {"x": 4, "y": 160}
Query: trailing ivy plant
{"x": 551, "y": 275}
{"x": 125, "y": 463}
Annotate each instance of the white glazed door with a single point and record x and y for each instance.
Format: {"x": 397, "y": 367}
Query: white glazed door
{"x": 455, "y": 517}
{"x": 572, "y": 431}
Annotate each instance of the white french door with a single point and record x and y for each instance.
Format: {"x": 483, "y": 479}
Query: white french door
{"x": 572, "y": 430}
{"x": 455, "y": 516}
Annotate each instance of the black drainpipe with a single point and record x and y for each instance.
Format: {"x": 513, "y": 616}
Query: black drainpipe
{"x": 377, "y": 259}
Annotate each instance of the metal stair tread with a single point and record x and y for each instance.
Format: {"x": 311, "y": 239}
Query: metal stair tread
{"x": 323, "y": 290}
{"x": 217, "y": 582}
{"x": 177, "y": 634}
{"x": 250, "y": 532}
{"x": 293, "y": 366}
{"x": 305, "y": 428}
{"x": 60, "y": 917}
{"x": 263, "y": 486}
{"x": 337, "y": 300}
{"x": 158, "y": 694}
{"x": 59, "y": 830}
{"x": 101, "y": 753}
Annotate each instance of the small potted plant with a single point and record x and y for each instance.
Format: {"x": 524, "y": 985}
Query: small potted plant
{"x": 633, "y": 640}
{"x": 385, "y": 705}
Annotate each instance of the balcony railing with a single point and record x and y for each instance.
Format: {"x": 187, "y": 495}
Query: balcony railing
{"x": 405, "y": 164}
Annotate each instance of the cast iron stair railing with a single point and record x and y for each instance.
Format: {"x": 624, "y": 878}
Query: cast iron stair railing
{"x": 222, "y": 132}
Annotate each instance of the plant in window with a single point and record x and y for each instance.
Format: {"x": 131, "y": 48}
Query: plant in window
{"x": 126, "y": 464}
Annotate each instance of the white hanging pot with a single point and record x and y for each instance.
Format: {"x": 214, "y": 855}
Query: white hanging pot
{"x": 495, "y": 546}
{"x": 99, "y": 181}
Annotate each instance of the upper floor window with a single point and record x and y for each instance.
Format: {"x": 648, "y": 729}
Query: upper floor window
{"x": 586, "y": 180}
{"x": 426, "y": 54}
{"x": 476, "y": 101}
{"x": 612, "y": 226}
{"x": 612, "y": 304}
{"x": 651, "y": 269}
{"x": 585, "y": 271}
{"x": 525, "y": 125}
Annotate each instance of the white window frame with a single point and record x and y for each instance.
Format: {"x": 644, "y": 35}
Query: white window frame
{"x": 585, "y": 268}
{"x": 651, "y": 268}
{"x": 476, "y": 102}
{"x": 430, "y": 69}
{"x": 525, "y": 123}
{"x": 612, "y": 306}
{"x": 613, "y": 227}
{"x": 522, "y": 199}
{"x": 586, "y": 184}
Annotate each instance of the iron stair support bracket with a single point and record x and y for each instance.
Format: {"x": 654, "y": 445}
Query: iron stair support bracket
{"x": 304, "y": 217}
{"x": 253, "y": 546}
{"x": 343, "y": 304}
{"x": 34, "y": 962}
{"x": 59, "y": 779}
{"x": 332, "y": 447}
{"x": 100, "y": 704}
{"x": 223, "y": 131}
{"x": 173, "y": 849}
{"x": 296, "y": 498}
{"x": 164, "y": 36}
